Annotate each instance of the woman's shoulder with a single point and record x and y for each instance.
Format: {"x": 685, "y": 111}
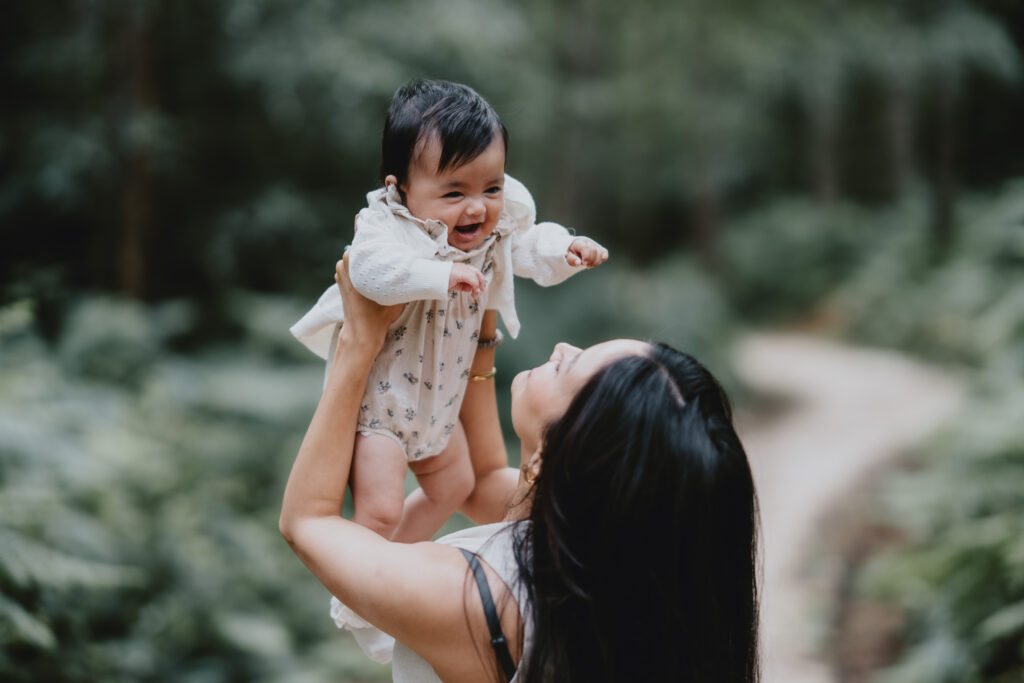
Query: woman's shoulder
{"x": 495, "y": 544}
{"x": 474, "y": 537}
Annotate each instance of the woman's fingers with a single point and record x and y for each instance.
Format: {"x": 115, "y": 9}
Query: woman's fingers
{"x": 362, "y": 315}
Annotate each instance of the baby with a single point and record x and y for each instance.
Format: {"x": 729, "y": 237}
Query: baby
{"x": 445, "y": 235}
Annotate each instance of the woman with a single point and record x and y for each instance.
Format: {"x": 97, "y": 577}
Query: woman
{"x": 631, "y": 554}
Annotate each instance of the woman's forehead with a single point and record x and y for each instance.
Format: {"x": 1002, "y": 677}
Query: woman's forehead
{"x": 595, "y": 357}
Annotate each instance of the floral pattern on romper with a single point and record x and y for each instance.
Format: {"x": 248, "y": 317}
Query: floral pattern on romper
{"x": 419, "y": 378}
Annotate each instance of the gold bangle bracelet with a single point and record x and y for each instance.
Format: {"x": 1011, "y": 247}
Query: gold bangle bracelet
{"x": 484, "y": 376}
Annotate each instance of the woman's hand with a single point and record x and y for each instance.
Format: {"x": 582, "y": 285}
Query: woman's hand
{"x": 366, "y": 321}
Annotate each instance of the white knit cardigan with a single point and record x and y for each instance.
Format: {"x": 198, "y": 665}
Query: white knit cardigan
{"x": 397, "y": 258}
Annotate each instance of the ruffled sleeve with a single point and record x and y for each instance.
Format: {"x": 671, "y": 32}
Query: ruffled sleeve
{"x": 392, "y": 260}
{"x": 537, "y": 249}
{"x": 520, "y": 211}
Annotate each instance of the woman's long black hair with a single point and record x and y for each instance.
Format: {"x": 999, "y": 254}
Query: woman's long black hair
{"x": 641, "y": 553}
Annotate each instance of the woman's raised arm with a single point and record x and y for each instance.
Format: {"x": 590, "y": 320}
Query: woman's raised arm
{"x": 415, "y": 592}
{"x": 317, "y": 482}
{"x": 496, "y": 482}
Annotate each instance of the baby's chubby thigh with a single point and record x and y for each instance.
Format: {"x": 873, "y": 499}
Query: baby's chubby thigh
{"x": 378, "y": 482}
{"x": 447, "y": 478}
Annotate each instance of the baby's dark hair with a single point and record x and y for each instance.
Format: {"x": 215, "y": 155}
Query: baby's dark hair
{"x": 463, "y": 121}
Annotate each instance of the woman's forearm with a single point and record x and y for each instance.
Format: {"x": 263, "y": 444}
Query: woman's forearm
{"x": 495, "y": 481}
{"x": 316, "y": 485}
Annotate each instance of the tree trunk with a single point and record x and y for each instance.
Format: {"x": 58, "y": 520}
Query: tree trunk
{"x": 901, "y": 137}
{"x": 823, "y": 150}
{"x": 706, "y": 207}
{"x": 137, "y": 198}
{"x": 705, "y": 225}
{"x": 944, "y": 183}
{"x": 704, "y": 152}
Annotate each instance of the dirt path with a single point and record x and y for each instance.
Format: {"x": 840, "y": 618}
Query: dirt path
{"x": 853, "y": 410}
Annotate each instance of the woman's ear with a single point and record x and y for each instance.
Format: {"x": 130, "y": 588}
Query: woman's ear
{"x": 390, "y": 180}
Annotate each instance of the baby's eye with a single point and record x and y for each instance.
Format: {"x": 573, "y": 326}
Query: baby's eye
{"x": 453, "y": 195}
{"x": 493, "y": 190}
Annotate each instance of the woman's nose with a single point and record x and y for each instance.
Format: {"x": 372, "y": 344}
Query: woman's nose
{"x": 562, "y": 349}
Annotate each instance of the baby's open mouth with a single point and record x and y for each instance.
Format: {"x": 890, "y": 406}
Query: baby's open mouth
{"x": 465, "y": 235}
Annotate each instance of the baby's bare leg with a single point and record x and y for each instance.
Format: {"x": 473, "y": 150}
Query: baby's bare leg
{"x": 445, "y": 481}
{"x": 378, "y": 483}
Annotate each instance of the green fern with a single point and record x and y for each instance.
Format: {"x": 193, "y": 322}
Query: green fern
{"x": 26, "y": 563}
{"x": 960, "y": 580}
{"x": 18, "y": 626}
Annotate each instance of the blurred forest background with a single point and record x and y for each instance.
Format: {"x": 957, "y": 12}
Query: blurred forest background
{"x": 178, "y": 178}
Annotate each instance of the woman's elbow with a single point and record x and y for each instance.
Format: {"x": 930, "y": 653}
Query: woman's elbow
{"x": 300, "y": 531}
{"x": 284, "y": 526}
{"x": 287, "y": 524}
{"x": 300, "y": 522}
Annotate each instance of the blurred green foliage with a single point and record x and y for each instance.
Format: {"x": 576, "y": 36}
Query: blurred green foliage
{"x": 170, "y": 150}
{"x": 967, "y": 310}
{"x": 139, "y": 493}
{"x": 960, "y": 577}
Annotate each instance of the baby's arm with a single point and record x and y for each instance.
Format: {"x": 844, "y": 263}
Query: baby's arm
{"x": 545, "y": 252}
{"x": 548, "y": 254}
{"x": 495, "y": 481}
{"x": 586, "y": 252}
{"x": 466, "y": 278}
{"x": 391, "y": 270}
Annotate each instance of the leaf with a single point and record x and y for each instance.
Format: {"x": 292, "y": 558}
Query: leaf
{"x": 256, "y": 633}
{"x": 1007, "y": 622}
{"x": 28, "y": 563}
{"x": 22, "y": 626}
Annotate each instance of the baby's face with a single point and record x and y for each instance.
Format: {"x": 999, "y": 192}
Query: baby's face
{"x": 467, "y": 199}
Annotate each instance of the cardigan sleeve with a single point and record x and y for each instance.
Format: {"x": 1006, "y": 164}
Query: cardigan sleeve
{"x": 539, "y": 254}
{"x": 389, "y": 267}
{"x": 538, "y": 249}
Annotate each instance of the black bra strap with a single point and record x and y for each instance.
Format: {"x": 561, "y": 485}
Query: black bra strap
{"x": 498, "y": 641}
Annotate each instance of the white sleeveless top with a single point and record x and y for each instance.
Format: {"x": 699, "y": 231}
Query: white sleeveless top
{"x": 493, "y": 543}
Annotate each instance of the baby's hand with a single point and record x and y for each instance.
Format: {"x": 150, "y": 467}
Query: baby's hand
{"x": 587, "y": 252}
{"x": 466, "y": 278}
